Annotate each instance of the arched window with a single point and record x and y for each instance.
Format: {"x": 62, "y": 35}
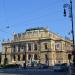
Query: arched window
{"x": 29, "y": 57}
{"x": 35, "y": 57}
{"x": 23, "y": 57}
{"x": 18, "y": 57}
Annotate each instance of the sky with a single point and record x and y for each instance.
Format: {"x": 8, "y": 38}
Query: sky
{"x": 19, "y": 15}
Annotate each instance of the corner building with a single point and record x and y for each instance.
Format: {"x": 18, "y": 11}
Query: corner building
{"x": 37, "y": 45}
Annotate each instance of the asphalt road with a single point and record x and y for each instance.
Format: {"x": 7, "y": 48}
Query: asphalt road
{"x": 37, "y": 74}
{"x": 34, "y": 72}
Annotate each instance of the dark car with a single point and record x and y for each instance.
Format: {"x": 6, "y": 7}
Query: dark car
{"x": 42, "y": 66}
{"x": 12, "y": 66}
{"x": 65, "y": 66}
{"x": 72, "y": 69}
{"x": 57, "y": 67}
{"x": 60, "y": 67}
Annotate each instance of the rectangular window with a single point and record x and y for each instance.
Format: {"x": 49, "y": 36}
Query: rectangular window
{"x": 19, "y": 48}
{"x": 14, "y": 57}
{"x": 35, "y": 46}
{"x": 14, "y": 48}
{"x": 18, "y": 57}
{"x": 29, "y": 46}
{"x": 46, "y": 46}
{"x": 23, "y": 57}
{"x": 24, "y": 48}
{"x": 29, "y": 57}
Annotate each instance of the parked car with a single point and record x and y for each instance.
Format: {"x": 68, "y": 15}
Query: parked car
{"x": 12, "y": 66}
{"x": 42, "y": 66}
{"x": 72, "y": 69}
{"x": 57, "y": 67}
{"x": 65, "y": 66}
{"x": 60, "y": 67}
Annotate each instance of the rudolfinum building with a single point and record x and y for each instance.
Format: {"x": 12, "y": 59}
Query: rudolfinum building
{"x": 36, "y": 45}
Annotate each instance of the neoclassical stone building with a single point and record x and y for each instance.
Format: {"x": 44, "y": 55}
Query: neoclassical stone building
{"x": 37, "y": 45}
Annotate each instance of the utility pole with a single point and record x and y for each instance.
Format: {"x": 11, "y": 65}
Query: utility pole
{"x": 72, "y": 23}
{"x": 72, "y": 31}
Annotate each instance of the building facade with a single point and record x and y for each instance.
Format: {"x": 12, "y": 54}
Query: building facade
{"x": 37, "y": 45}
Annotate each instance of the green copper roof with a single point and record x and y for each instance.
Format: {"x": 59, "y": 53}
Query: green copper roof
{"x": 38, "y": 28}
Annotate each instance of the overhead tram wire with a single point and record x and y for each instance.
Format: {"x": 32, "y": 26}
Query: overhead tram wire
{"x": 5, "y": 32}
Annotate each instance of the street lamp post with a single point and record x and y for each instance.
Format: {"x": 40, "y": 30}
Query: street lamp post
{"x": 72, "y": 31}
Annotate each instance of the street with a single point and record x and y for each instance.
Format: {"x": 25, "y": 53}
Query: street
{"x": 34, "y": 72}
